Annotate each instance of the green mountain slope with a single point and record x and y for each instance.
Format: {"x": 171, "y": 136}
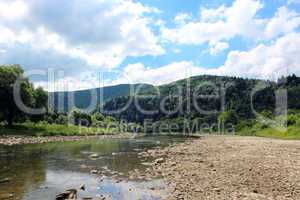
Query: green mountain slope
{"x": 62, "y": 101}
{"x": 206, "y": 98}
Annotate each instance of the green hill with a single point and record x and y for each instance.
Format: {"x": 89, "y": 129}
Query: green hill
{"x": 60, "y": 101}
{"x": 207, "y": 99}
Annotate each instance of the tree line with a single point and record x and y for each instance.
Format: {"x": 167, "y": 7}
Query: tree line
{"x": 36, "y": 98}
{"x": 205, "y": 99}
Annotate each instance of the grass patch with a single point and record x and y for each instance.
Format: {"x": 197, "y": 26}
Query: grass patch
{"x": 291, "y": 133}
{"x": 44, "y": 129}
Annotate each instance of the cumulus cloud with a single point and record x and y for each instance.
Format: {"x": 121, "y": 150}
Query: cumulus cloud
{"x": 264, "y": 61}
{"x": 284, "y": 21}
{"x": 227, "y": 22}
{"x": 80, "y": 37}
{"x": 181, "y": 18}
{"x": 161, "y": 75}
{"x": 12, "y": 10}
{"x": 71, "y": 83}
{"x": 94, "y": 33}
{"x": 217, "y": 47}
{"x": 222, "y": 23}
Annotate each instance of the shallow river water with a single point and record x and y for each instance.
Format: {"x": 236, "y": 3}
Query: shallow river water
{"x": 41, "y": 171}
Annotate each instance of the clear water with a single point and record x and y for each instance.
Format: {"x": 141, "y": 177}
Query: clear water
{"x": 41, "y": 171}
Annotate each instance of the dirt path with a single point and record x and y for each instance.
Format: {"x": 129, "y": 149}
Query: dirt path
{"x": 220, "y": 167}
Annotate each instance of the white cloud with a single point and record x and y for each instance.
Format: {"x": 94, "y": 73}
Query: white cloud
{"x": 138, "y": 73}
{"x": 181, "y": 18}
{"x": 159, "y": 23}
{"x": 264, "y": 61}
{"x": 133, "y": 73}
{"x": 283, "y": 22}
{"x": 71, "y": 83}
{"x": 77, "y": 37}
{"x": 97, "y": 33}
{"x": 217, "y": 47}
{"x": 226, "y": 22}
{"x": 11, "y": 10}
{"x": 222, "y": 23}
{"x": 213, "y": 15}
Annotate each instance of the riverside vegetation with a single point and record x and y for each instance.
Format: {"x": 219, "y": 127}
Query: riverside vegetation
{"x": 235, "y": 107}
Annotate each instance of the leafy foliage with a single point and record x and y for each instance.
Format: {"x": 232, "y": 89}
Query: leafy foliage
{"x": 29, "y": 96}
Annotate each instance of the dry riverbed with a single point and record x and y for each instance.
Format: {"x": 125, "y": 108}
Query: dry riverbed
{"x": 221, "y": 167}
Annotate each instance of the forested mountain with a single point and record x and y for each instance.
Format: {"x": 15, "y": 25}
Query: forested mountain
{"x": 60, "y": 101}
{"x": 206, "y": 99}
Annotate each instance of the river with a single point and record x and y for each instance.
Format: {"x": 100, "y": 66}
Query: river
{"x": 41, "y": 171}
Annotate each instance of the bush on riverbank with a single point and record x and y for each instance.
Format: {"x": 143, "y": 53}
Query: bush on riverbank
{"x": 292, "y": 132}
{"x": 289, "y": 129}
{"x": 45, "y": 129}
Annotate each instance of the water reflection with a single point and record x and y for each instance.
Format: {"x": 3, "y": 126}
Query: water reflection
{"x": 44, "y": 170}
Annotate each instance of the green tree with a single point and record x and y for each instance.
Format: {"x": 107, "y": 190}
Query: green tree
{"x": 40, "y": 98}
{"x": 97, "y": 119}
{"x": 97, "y": 116}
{"x": 62, "y": 119}
{"x": 10, "y": 111}
{"x": 81, "y": 118}
{"x": 40, "y": 101}
{"x": 8, "y": 107}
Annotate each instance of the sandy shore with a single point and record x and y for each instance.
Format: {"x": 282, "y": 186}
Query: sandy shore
{"x": 221, "y": 167}
{"x": 21, "y": 139}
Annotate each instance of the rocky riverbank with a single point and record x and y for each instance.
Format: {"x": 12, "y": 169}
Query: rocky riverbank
{"x": 21, "y": 139}
{"x": 220, "y": 167}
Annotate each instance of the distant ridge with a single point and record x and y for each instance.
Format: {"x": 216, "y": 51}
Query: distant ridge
{"x": 60, "y": 101}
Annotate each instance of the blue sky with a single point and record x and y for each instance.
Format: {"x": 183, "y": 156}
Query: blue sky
{"x": 64, "y": 45}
